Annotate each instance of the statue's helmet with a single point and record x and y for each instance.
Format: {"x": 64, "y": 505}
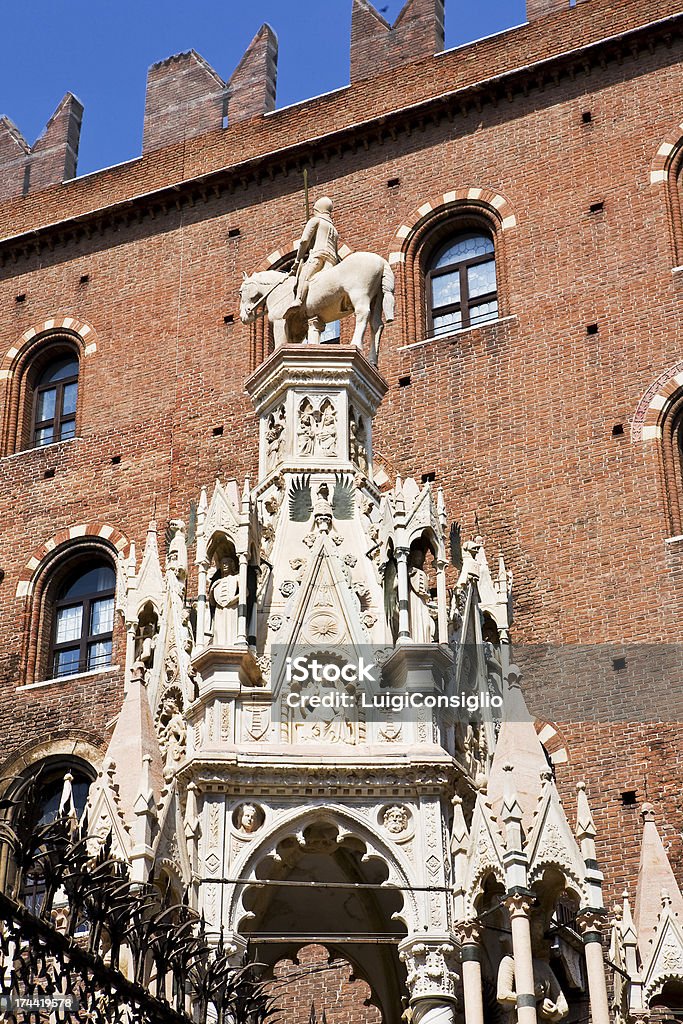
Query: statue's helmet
{"x": 323, "y": 205}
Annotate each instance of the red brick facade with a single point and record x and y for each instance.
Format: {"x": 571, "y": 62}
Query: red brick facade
{"x": 563, "y": 136}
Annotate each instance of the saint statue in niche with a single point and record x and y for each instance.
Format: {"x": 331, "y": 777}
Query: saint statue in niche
{"x": 327, "y": 431}
{"x": 422, "y": 626}
{"x": 224, "y": 599}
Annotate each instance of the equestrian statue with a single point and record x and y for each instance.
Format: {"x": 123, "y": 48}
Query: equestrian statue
{"x": 321, "y": 288}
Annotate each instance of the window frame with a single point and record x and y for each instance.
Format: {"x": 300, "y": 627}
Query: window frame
{"x": 466, "y": 302}
{"x": 20, "y": 392}
{"x": 59, "y": 418}
{"x": 50, "y": 771}
{"x": 672, "y": 463}
{"x": 86, "y": 638}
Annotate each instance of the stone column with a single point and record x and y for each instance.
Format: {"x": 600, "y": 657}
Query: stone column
{"x": 403, "y": 594}
{"x": 432, "y": 977}
{"x": 469, "y": 934}
{"x": 442, "y": 601}
{"x": 242, "y": 602}
{"x": 519, "y": 907}
{"x": 202, "y": 568}
{"x": 131, "y": 628}
{"x": 590, "y": 925}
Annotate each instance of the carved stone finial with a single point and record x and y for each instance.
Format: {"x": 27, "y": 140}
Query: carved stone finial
{"x": 514, "y": 676}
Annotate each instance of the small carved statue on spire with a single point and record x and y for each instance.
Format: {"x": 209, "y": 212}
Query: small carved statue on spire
{"x": 176, "y": 560}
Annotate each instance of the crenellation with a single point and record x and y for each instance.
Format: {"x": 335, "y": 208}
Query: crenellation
{"x": 377, "y": 46}
{"x": 539, "y": 8}
{"x": 252, "y": 85}
{"x": 14, "y": 150}
{"x": 55, "y": 154}
{"x": 185, "y": 97}
{"x": 51, "y": 160}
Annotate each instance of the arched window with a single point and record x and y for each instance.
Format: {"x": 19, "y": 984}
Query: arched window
{"x": 461, "y": 283}
{"x": 41, "y": 393}
{"x": 56, "y": 390}
{"x": 83, "y": 620}
{"x": 672, "y": 457}
{"x": 50, "y": 788}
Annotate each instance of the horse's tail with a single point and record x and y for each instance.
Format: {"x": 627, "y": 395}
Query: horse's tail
{"x": 387, "y": 293}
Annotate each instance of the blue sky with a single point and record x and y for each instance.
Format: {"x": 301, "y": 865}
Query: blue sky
{"x": 101, "y": 49}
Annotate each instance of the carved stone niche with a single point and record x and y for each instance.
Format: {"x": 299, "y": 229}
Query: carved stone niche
{"x": 223, "y": 591}
{"x": 310, "y": 399}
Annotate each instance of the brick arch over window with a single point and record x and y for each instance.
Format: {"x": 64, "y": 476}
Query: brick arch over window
{"x": 464, "y": 208}
{"x": 659, "y": 418}
{"x": 20, "y": 365}
{"x": 667, "y": 170}
{"x": 42, "y": 575}
{"x": 85, "y": 746}
{"x": 654, "y": 405}
{"x": 553, "y": 741}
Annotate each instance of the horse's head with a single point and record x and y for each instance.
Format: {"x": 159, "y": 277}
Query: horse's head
{"x": 251, "y": 293}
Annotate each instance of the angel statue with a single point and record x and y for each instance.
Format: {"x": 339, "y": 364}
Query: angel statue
{"x": 303, "y": 504}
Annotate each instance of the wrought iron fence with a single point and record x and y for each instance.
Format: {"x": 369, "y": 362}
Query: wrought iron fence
{"x": 80, "y": 941}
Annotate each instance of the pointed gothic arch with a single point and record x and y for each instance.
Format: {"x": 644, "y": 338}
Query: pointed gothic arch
{"x": 355, "y": 902}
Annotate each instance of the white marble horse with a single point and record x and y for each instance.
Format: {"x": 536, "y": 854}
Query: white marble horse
{"x": 362, "y": 284}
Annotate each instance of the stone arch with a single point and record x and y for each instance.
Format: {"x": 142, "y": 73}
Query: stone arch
{"x": 48, "y": 764}
{"x": 69, "y": 745}
{"x": 350, "y": 823}
{"x": 32, "y": 568}
{"x": 333, "y": 844}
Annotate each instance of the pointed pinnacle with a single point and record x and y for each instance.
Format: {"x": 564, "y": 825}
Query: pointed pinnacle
{"x": 585, "y": 826}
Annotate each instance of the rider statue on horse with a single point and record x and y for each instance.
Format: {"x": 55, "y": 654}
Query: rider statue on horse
{"x": 320, "y": 289}
{"x": 317, "y": 247}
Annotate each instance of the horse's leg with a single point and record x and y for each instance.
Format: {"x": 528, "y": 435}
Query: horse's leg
{"x": 376, "y": 326}
{"x": 315, "y": 328}
{"x": 279, "y": 332}
{"x": 362, "y": 311}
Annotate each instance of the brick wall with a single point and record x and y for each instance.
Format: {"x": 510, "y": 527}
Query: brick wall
{"x": 318, "y": 983}
{"x": 515, "y": 418}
